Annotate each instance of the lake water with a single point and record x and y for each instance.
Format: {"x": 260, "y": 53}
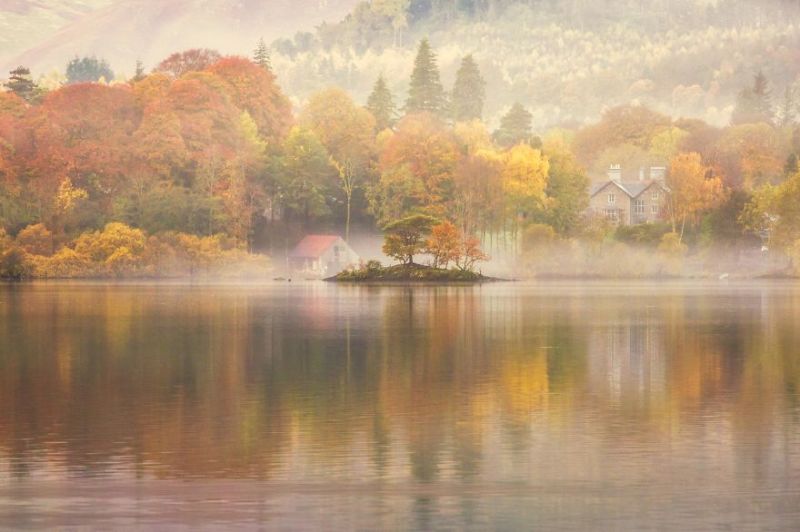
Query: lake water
{"x": 315, "y": 406}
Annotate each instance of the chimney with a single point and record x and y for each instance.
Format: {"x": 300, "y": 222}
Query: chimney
{"x": 641, "y": 173}
{"x": 615, "y": 173}
{"x": 658, "y": 173}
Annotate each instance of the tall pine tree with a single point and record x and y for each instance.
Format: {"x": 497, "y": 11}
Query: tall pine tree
{"x": 381, "y": 105}
{"x": 21, "y": 83}
{"x": 754, "y": 105}
{"x": 469, "y": 92}
{"x": 426, "y": 93}
{"x": 515, "y": 126}
{"x": 261, "y": 55}
{"x": 788, "y": 107}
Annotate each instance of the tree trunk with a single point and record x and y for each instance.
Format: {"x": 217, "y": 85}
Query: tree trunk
{"x": 347, "y": 222}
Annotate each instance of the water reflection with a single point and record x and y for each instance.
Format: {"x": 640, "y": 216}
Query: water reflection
{"x": 465, "y": 397}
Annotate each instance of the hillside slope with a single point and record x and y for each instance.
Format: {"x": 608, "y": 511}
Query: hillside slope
{"x": 123, "y": 31}
{"x": 27, "y": 23}
{"x": 566, "y": 61}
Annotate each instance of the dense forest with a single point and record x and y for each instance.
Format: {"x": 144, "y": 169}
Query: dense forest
{"x": 204, "y": 159}
{"x": 567, "y": 60}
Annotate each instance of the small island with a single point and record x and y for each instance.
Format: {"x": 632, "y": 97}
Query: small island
{"x": 419, "y": 234}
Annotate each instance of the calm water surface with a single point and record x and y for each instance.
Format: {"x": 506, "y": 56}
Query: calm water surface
{"x": 310, "y": 406}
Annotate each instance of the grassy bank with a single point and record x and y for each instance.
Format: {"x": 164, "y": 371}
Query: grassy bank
{"x": 405, "y": 273}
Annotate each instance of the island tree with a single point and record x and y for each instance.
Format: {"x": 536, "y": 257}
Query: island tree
{"x": 407, "y": 237}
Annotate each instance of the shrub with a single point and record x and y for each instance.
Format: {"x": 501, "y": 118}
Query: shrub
{"x": 36, "y": 240}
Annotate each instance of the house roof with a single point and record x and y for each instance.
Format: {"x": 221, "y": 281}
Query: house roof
{"x": 633, "y": 189}
{"x": 314, "y": 246}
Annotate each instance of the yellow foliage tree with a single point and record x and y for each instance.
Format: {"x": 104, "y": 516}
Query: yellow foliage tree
{"x": 693, "y": 189}
{"x": 524, "y": 178}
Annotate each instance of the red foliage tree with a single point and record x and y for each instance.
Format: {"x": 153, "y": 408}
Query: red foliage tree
{"x": 82, "y": 133}
{"x": 193, "y": 60}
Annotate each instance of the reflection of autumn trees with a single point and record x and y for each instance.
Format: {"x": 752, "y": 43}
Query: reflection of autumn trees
{"x": 383, "y": 383}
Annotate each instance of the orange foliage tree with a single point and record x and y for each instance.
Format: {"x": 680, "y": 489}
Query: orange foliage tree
{"x": 693, "y": 189}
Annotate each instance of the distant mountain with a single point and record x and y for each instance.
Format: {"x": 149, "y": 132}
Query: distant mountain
{"x": 122, "y": 31}
{"x": 26, "y": 23}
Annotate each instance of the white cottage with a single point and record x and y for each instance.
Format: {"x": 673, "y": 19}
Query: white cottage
{"x": 323, "y": 255}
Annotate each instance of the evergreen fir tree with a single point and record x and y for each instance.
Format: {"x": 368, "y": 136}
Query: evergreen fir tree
{"x": 88, "y": 70}
{"x": 140, "y": 74}
{"x": 788, "y": 108}
{"x": 21, "y": 83}
{"x": 469, "y": 92}
{"x": 426, "y": 93}
{"x": 515, "y": 126}
{"x": 754, "y": 105}
{"x": 261, "y": 55}
{"x": 381, "y": 105}
{"x": 791, "y": 166}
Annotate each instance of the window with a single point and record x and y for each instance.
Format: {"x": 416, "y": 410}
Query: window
{"x": 612, "y": 214}
{"x": 612, "y": 198}
{"x": 638, "y": 206}
{"x": 654, "y": 195}
{"x": 654, "y": 209}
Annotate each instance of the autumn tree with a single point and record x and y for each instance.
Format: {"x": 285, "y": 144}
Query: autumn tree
{"x": 381, "y": 105}
{"x": 425, "y": 93}
{"x": 693, "y": 189}
{"x": 82, "y": 134}
{"x": 253, "y": 89}
{"x": 417, "y": 166}
{"x": 515, "y": 126}
{"x": 36, "y": 239}
{"x": 303, "y": 170}
{"x": 407, "y": 237}
{"x": 751, "y": 155}
{"x": 471, "y": 254}
{"x": 567, "y": 188}
{"x": 194, "y": 60}
{"x": 444, "y": 244}
{"x": 524, "y": 179}
{"x": 478, "y": 203}
{"x": 469, "y": 92}
{"x": 88, "y": 70}
{"x": 634, "y": 125}
{"x": 346, "y": 130}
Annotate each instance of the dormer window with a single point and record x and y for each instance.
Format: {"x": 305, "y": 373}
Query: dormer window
{"x": 612, "y": 198}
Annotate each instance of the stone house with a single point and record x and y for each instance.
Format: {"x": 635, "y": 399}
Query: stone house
{"x": 631, "y": 202}
{"x": 322, "y": 255}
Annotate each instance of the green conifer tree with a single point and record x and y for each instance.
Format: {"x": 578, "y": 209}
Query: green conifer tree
{"x": 754, "y": 105}
{"x": 381, "y": 105}
{"x": 261, "y": 55}
{"x": 426, "y": 93}
{"x": 88, "y": 70}
{"x": 21, "y": 83}
{"x": 140, "y": 73}
{"x": 469, "y": 92}
{"x": 515, "y": 126}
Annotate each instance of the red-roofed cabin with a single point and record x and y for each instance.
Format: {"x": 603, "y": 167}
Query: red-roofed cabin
{"x": 323, "y": 255}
